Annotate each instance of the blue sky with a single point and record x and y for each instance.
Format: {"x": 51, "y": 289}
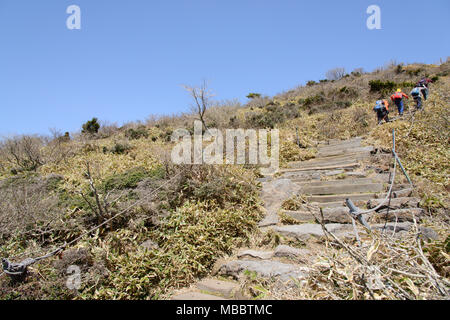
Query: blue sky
{"x": 130, "y": 58}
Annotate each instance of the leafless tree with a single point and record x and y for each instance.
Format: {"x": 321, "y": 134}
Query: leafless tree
{"x": 202, "y": 100}
{"x": 335, "y": 74}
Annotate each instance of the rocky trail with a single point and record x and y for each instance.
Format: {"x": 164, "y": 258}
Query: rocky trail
{"x": 341, "y": 170}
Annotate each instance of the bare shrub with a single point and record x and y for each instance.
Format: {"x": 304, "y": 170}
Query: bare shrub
{"x": 23, "y": 152}
{"x": 58, "y": 147}
{"x": 335, "y": 74}
{"x": 221, "y": 113}
{"x": 28, "y": 209}
{"x": 107, "y": 129}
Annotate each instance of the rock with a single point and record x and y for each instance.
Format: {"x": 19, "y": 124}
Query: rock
{"x": 196, "y": 296}
{"x": 149, "y": 245}
{"x": 283, "y": 251}
{"x": 224, "y": 288}
{"x": 262, "y": 255}
{"x": 396, "y": 203}
{"x": 428, "y": 234}
{"x": 404, "y": 193}
{"x": 401, "y": 214}
{"x": 274, "y": 193}
{"x": 264, "y": 268}
{"x": 404, "y": 227}
{"x": 401, "y": 226}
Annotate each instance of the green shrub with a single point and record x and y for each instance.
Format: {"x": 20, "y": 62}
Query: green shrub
{"x": 414, "y": 72}
{"x": 253, "y": 95}
{"x": 91, "y": 127}
{"x": 131, "y": 178}
{"x": 381, "y": 86}
{"x": 317, "y": 99}
{"x": 121, "y": 148}
{"x": 138, "y": 133}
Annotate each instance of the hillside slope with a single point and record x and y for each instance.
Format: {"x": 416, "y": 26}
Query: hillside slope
{"x": 175, "y": 222}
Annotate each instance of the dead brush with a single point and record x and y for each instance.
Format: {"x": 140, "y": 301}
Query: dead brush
{"x": 383, "y": 266}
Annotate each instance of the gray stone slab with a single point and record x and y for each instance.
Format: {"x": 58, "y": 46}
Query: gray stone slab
{"x": 341, "y": 151}
{"x": 264, "y": 268}
{"x": 262, "y": 255}
{"x": 336, "y": 182}
{"x": 283, "y": 251}
{"x": 396, "y": 203}
{"x": 196, "y": 296}
{"x": 308, "y": 230}
{"x": 223, "y": 288}
{"x": 342, "y": 189}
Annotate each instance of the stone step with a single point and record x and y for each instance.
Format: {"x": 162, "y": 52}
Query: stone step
{"x": 341, "y": 197}
{"x": 346, "y": 166}
{"x": 319, "y": 164}
{"x": 226, "y": 289}
{"x": 335, "y": 142}
{"x": 264, "y": 268}
{"x": 196, "y": 296}
{"x": 351, "y": 145}
{"x": 353, "y": 157}
{"x": 281, "y": 251}
{"x": 336, "y": 182}
{"x": 341, "y": 151}
{"x": 334, "y": 204}
{"x": 396, "y": 203}
{"x": 401, "y": 215}
{"x": 342, "y": 189}
{"x": 330, "y": 215}
{"x": 306, "y": 231}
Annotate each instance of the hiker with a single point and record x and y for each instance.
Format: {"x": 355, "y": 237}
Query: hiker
{"x": 397, "y": 98}
{"x": 425, "y": 81}
{"x": 382, "y": 110}
{"x": 415, "y": 93}
{"x": 423, "y": 90}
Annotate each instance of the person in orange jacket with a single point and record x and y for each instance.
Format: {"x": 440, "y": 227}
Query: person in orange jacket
{"x": 397, "y": 98}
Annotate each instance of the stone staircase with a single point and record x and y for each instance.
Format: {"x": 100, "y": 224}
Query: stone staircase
{"x": 338, "y": 172}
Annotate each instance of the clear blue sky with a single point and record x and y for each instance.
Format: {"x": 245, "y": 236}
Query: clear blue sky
{"x": 130, "y": 58}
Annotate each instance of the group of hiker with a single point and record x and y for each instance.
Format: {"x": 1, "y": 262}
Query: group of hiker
{"x": 419, "y": 90}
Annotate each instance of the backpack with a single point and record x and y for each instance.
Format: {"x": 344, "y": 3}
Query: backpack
{"x": 398, "y": 95}
{"x": 415, "y": 92}
{"x": 378, "y": 105}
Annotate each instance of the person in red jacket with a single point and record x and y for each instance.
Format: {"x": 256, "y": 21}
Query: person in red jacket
{"x": 397, "y": 98}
